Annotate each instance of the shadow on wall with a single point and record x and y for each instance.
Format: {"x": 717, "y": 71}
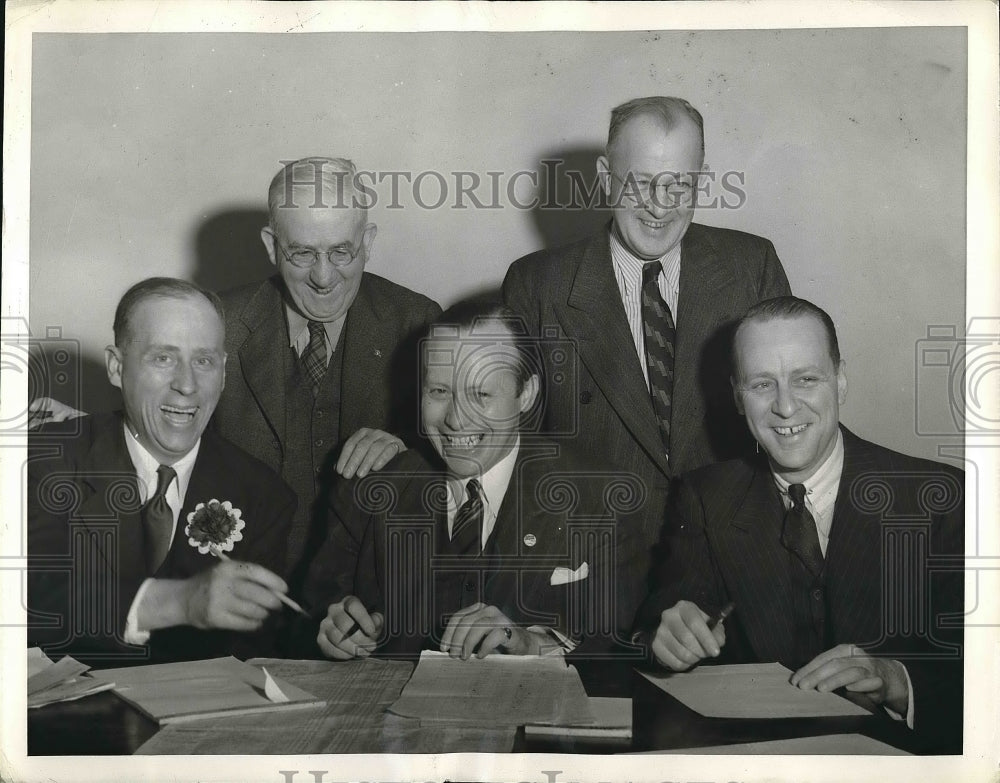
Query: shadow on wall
{"x": 571, "y": 204}
{"x": 228, "y": 250}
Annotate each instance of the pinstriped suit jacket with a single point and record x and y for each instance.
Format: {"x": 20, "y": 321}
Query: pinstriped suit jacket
{"x": 893, "y": 568}
{"x": 571, "y": 292}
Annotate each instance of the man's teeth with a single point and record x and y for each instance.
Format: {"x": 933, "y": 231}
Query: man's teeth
{"x": 463, "y": 440}
{"x": 178, "y": 411}
{"x": 787, "y": 431}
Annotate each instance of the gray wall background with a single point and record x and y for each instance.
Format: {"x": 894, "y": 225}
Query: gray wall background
{"x": 151, "y": 154}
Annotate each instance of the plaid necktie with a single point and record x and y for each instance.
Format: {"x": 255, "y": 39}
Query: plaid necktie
{"x": 314, "y": 356}
{"x": 467, "y": 529}
{"x": 799, "y": 531}
{"x": 658, "y": 330}
{"x": 158, "y": 520}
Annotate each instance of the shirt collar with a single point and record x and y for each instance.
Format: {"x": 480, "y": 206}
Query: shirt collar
{"x": 145, "y": 465}
{"x": 825, "y": 478}
{"x": 630, "y": 266}
{"x": 298, "y": 330}
{"x": 494, "y": 482}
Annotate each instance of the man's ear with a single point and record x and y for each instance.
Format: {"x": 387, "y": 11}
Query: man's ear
{"x": 368, "y": 239}
{"x": 842, "y": 382}
{"x": 268, "y": 238}
{"x": 737, "y": 396}
{"x": 113, "y": 363}
{"x": 604, "y": 174}
{"x": 529, "y": 393}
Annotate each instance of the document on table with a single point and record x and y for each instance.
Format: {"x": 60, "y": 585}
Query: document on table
{"x": 66, "y": 680}
{"x": 754, "y": 690}
{"x": 498, "y": 690}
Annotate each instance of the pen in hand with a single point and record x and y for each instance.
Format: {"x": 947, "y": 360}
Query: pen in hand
{"x": 280, "y": 596}
{"x": 722, "y": 615}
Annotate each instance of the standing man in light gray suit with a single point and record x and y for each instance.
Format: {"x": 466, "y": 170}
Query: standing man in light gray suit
{"x": 648, "y": 303}
{"x": 322, "y": 356}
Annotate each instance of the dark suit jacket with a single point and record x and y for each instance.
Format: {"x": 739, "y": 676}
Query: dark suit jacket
{"x": 388, "y": 541}
{"x": 571, "y": 291}
{"x": 379, "y": 379}
{"x": 85, "y": 541}
{"x": 892, "y": 512}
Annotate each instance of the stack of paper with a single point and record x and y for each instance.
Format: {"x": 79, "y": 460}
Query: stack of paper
{"x": 192, "y": 690}
{"x": 50, "y": 682}
{"x": 498, "y": 690}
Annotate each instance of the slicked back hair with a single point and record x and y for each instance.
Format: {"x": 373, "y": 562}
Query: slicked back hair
{"x": 157, "y": 288}
{"x": 785, "y": 307}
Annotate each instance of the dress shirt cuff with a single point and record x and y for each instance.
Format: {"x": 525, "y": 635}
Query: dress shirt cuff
{"x": 132, "y": 633}
{"x": 561, "y": 645}
{"x": 909, "y": 702}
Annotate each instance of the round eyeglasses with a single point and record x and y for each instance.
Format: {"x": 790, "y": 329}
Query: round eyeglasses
{"x": 304, "y": 258}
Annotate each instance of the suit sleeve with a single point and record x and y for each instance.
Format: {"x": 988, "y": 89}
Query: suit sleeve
{"x": 773, "y": 281}
{"x": 687, "y": 570}
{"x": 517, "y": 297}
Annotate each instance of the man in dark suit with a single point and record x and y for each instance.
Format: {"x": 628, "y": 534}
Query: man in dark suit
{"x": 501, "y": 545}
{"x": 131, "y": 515}
{"x": 650, "y": 290}
{"x": 843, "y": 558}
{"x": 322, "y": 355}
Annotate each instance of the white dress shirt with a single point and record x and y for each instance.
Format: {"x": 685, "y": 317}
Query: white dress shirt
{"x": 494, "y": 483}
{"x": 146, "y": 478}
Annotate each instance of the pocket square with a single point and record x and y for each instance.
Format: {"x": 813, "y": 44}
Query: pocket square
{"x": 564, "y": 576}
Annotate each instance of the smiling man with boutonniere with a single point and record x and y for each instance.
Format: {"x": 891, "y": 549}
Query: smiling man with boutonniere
{"x": 150, "y": 537}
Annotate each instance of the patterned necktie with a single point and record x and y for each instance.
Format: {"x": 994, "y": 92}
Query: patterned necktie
{"x": 658, "y": 330}
{"x": 467, "y": 529}
{"x": 158, "y": 520}
{"x": 799, "y": 532}
{"x": 314, "y": 356}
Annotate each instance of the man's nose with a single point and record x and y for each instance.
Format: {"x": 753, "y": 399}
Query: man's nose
{"x": 183, "y": 379}
{"x": 324, "y": 273}
{"x": 453, "y": 417}
{"x": 785, "y": 403}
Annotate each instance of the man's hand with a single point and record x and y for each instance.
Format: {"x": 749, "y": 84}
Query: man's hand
{"x": 846, "y": 666}
{"x": 232, "y": 595}
{"x": 367, "y": 450}
{"x": 44, "y": 410}
{"x": 487, "y": 627}
{"x": 333, "y": 638}
{"x": 683, "y": 637}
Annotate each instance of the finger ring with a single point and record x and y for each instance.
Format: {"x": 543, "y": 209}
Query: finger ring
{"x": 507, "y": 632}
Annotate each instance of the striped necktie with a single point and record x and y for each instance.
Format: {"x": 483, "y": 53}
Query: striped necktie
{"x": 314, "y": 356}
{"x": 658, "y": 330}
{"x": 467, "y": 529}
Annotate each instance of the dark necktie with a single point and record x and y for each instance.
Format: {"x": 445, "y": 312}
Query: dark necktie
{"x": 314, "y": 356}
{"x": 799, "y": 532}
{"x": 466, "y": 531}
{"x": 158, "y": 520}
{"x": 658, "y": 330}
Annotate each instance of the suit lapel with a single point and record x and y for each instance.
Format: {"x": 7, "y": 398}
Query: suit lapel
{"x": 113, "y": 495}
{"x": 366, "y": 351}
{"x": 261, "y": 353}
{"x": 595, "y": 319}
{"x": 750, "y": 552}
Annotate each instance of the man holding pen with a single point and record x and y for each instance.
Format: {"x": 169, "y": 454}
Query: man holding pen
{"x": 843, "y": 559}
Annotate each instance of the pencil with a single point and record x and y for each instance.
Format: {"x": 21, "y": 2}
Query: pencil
{"x": 280, "y": 596}
{"x": 722, "y": 615}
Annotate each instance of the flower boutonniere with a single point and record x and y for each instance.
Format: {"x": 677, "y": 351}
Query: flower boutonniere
{"x": 214, "y": 527}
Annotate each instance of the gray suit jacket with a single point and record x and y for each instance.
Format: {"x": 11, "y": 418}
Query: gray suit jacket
{"x": 570, "y": 294}
{"x": 379, "y": 381}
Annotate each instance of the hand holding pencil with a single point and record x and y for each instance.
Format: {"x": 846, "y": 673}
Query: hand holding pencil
{"x": 687, "y": 635}
{"x": 348, "y": 630}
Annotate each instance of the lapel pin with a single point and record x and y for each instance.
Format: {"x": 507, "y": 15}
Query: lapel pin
{"x": 377, "y": 353}
{"x": 530, "y": 540}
